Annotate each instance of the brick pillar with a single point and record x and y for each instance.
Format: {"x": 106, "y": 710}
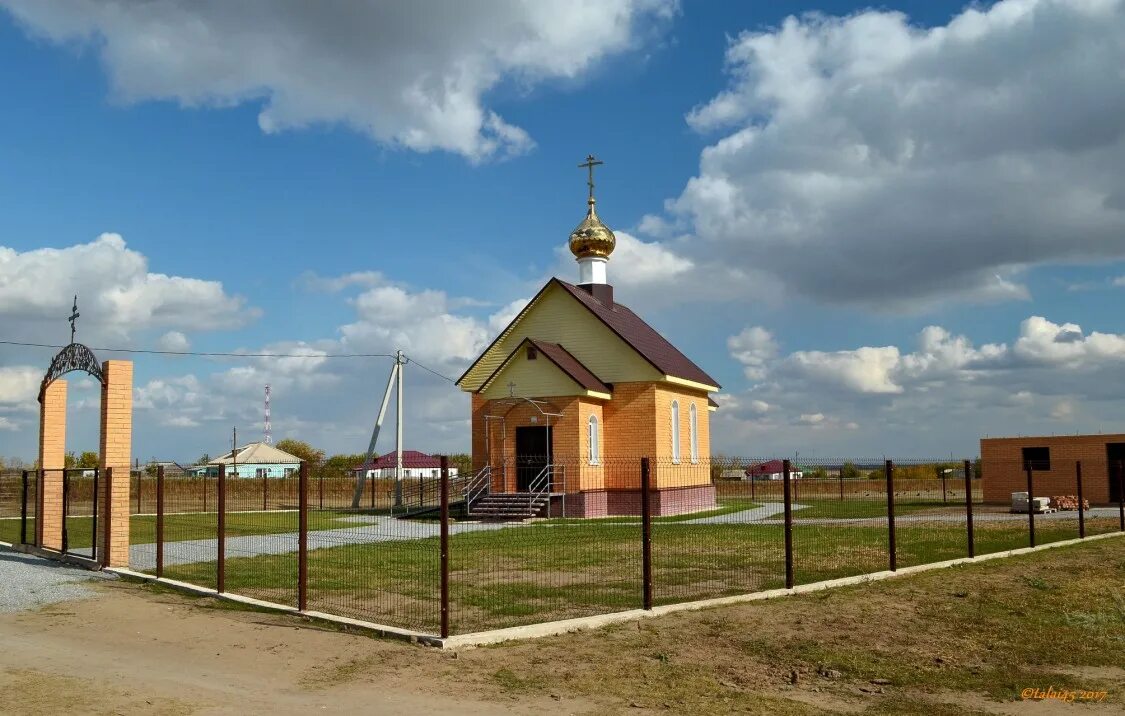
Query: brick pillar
{"x": 52, "y": 459}
{"x": 116, "y": 453}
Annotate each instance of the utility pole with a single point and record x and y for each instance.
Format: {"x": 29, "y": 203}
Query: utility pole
{"x": 269, "y": 428}
{"x": 396, "y": 374}
{"x": 401, "y": 363}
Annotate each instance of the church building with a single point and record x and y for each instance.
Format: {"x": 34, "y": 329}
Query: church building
{"x": 577, "y": 389}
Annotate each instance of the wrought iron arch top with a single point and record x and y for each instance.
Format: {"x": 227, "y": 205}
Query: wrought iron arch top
{"x": 71, "y": 358}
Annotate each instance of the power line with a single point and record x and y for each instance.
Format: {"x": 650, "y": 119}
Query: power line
{"x": 430, "y": 370}
{"x": 227, "y": 354}
{"x": 212, "y": 354}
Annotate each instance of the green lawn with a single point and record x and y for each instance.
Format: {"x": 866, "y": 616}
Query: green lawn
{"x": 560, "y": 570}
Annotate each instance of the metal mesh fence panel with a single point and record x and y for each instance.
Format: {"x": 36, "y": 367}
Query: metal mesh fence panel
{"x": 261, "y": 532}
{"x": 931, "y": 515}
{"x": 547, "y": 538}
{"x": 840, "y": 524}
{"x": 191, "y": 527}
{"x": 716, "y": 531}
{"x": 580, "y": 557}
{"x": 379, "y": 564}
{"x": 12, "y": 500}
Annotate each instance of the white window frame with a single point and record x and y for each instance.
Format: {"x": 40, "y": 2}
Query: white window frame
{"x": 693, "y": 432}
{"x": 593, "y": 440}
{"x": 675, "y": 432}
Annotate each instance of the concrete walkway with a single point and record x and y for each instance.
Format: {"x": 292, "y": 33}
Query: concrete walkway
{"x": 370, "y": 530}
{"x": 755, "y": 514}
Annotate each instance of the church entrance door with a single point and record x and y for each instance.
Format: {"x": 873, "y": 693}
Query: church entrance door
{"x": 533, "y": 453}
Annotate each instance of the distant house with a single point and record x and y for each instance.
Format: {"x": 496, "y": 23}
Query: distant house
{"x": 414, "y": 464}
{"x": 772, "y": 470}
{"x": 253, "y": 460}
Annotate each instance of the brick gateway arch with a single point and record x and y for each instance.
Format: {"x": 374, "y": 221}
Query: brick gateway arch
{"x": 114, "y": 454}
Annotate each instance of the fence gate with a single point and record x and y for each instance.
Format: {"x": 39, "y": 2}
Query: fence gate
{"x": 80, "y": 512}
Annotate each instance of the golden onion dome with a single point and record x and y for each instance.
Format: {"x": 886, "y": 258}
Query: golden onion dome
{"x": 592, "y": 238}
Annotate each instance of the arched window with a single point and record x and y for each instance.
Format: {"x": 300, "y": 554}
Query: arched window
{"x": 675, "y": 431}
{"x": 592, "y": 436}
{"x": 693, "y": 432}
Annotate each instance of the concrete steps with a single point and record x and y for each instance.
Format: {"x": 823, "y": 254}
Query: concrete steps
{"x": 508, "y": 506}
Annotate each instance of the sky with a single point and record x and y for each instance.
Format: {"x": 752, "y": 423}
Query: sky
{"x": 886, "y": 230}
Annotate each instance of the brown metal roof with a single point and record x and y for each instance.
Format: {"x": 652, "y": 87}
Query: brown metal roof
{"x": 570, "y": 365}
{"x": 643, "y": 338}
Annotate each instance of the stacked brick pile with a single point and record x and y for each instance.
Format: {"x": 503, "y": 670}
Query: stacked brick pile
{"x": 1068, "y": 502}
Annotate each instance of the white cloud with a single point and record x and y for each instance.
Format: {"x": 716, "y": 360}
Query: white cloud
{"x": 311, "y": 281}
{"x": 499, "y": 321}
{"x": 760, "y": 407}
{"x": 1044, "y": 342}
{"x": 1063, "y": 410}
{"x": 412, "y": 75}
{"x": 634, "y": 264}
{"x": 419, "y": 323}
{"x": 754, "y": 347}
{"x": 863, "y": 370}
{"x": 8, "y": 424}
{"x": 810, "y": 419}
{"x": 117, "y": 293}
{"x": 865, "y": 159}
{"x": 19, "y": 384}
{"x": 173, "y": 341}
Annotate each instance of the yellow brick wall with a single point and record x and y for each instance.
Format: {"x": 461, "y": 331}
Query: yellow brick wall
{"x": 635, "y": 423}
{"x": 665, "y": 471}
{"x": 115, "y": 455}
{"x": 52, "y": 459}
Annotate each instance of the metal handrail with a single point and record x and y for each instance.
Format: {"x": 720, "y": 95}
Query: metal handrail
{"x": 539, "y": 486}
{"x": 479, "y": 486}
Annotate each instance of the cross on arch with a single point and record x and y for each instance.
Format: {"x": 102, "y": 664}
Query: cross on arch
{"x": 74, "y": 314}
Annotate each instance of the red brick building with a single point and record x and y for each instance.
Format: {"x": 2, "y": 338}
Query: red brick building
{"x": 1004, "y": 463}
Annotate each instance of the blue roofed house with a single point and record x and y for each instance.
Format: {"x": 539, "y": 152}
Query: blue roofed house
{"x": 253, "y": 460}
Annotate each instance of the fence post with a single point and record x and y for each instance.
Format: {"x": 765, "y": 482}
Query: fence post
{"x": 788, "y": 524}
{"x": 753, "y": 489}
{"x": 206, "y": 474}
{"x": 303, "y": 537}
{"x": 1121, "y": 495}
{"x": 23, "y": 510}
{"x": 444, "y": 546}
{"x": 65, "y": 509}
{"x": 221, "y": 547}
{"x": 1081, "y": 512}
{"x": 969, "y": 507}
{"x": 138, "y": 493}
{"x": 841, "y": 476}
{"x": 265, "y": 491}
{"x": 1030, "y": 505}
{"x": 94, "y": 519}
{"x": 373, "y": 489}
{"x": 646, "y": 535}
{"x": 944, "y": 494}
{"x": 159, "y": 521}
{"x": 889, "y": 471}
{"x": 320, "y": 487}
{"x": 108, "y": 533}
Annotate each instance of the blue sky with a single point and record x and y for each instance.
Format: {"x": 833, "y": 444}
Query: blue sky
{"x": 751, "y": 164}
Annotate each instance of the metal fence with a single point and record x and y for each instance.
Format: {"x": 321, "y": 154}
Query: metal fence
{"x": 447, "y": 554}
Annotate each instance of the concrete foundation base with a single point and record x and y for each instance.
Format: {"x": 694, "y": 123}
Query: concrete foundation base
{"x": 607, "y": 503}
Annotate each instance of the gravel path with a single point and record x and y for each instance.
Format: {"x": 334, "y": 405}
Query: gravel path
{"x": 28, "y": 582}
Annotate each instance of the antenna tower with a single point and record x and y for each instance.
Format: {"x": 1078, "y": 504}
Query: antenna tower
{"x": 269, "y": 429}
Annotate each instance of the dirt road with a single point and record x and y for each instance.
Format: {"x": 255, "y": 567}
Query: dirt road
{"x": 974, "y": 639}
